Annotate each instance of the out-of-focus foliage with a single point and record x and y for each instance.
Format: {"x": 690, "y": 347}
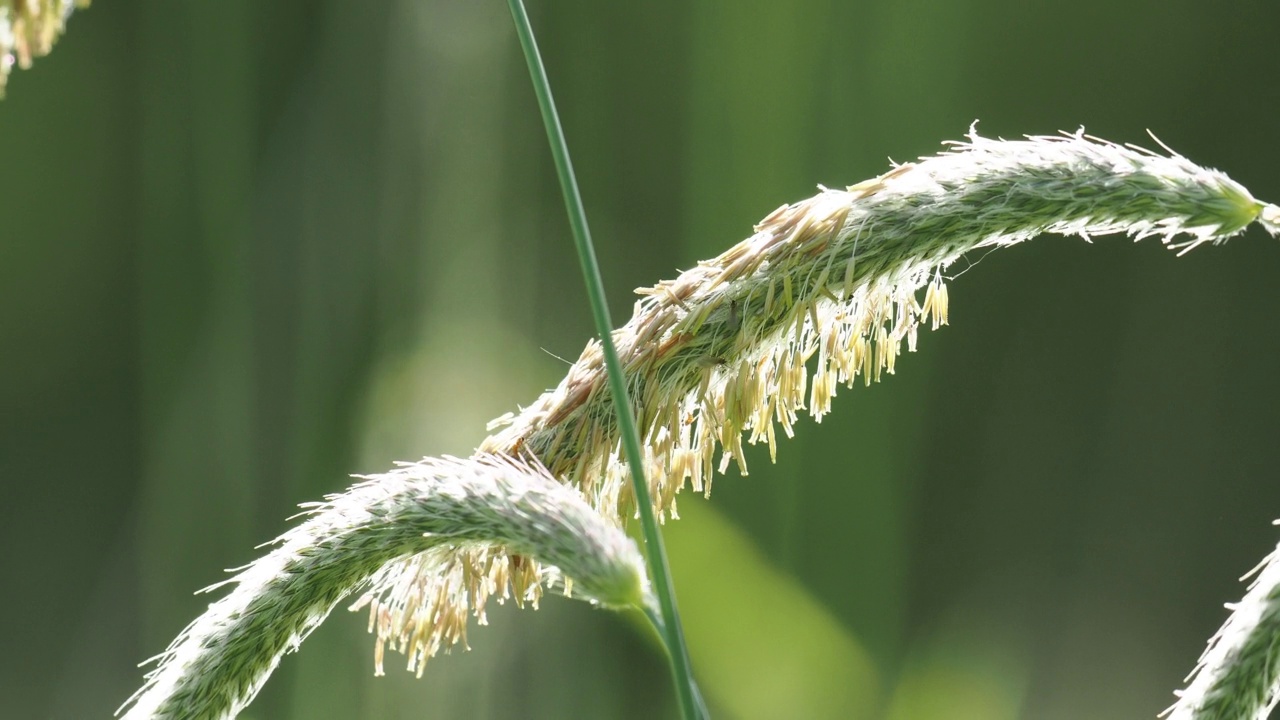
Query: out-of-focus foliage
{"x": 253, "y": 247}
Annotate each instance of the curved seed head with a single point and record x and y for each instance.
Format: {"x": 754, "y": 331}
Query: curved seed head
{"x": 435, "y": 539}
{"x": 1238, "y": 676}
{"x": 840, "y": 283}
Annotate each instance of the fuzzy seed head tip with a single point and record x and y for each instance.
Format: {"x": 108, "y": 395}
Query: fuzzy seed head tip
{"x": 1269, "y": 218}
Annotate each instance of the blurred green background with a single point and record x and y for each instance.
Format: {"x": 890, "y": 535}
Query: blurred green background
{"x": 252, "y": 247}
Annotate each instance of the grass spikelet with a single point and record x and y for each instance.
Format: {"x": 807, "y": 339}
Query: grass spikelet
{"x": 28, "y": 29}
{"x": 421, "y": 513}
{"x": 725, "y": 349}
{"x": 846, "y": 276}
{"x": 1238, "y": 676}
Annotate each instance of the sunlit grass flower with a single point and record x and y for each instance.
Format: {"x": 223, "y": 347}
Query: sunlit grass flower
{"x": 28, "y": 29}
{"x": 826, "y": 292}
{"x": 507, "y": 513}
{"x": 829, "y": 290}
{"x": 1236, "y": 678}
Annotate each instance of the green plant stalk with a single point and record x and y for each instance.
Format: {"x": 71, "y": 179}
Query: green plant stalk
{"x": 670, "y": 627}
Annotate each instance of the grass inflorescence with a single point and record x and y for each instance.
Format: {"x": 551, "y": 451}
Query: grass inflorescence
{"x": 28, "y": 29}
{"x": 506, "y": 512}
{"x": 1238, "y": 676}
{"x": 724, "y": 350}
{"x": 727, "y": 350}
{"x": 827, "y": 292}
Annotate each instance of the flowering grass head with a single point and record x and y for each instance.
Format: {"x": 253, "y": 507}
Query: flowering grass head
{"x": 827, "y": 292}
{"x": 1238, "y": 676}
{"x": 463, "y": 531}
{"x": 28, "y": 29}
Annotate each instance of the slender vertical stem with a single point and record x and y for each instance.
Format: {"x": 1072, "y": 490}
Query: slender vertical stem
{"x": 668, "y": 625}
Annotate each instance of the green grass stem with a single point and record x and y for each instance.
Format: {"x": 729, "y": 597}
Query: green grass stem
{"x": 668, "y": 623}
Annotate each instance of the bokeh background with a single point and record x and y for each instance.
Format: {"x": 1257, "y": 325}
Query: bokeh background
{"x": 250, "y": 248}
